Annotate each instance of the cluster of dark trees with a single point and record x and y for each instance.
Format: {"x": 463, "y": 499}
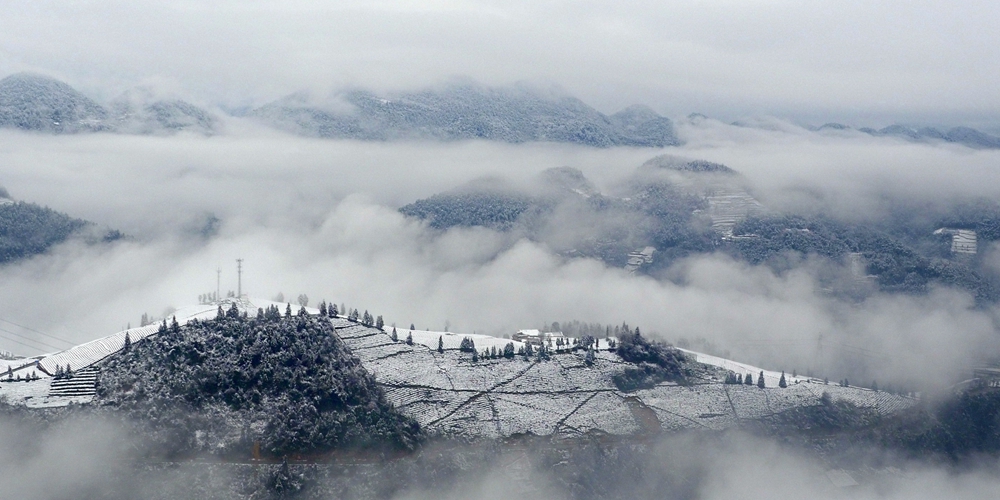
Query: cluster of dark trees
{"x": 365, "y": 319}
{"x": 734, "y": 378}
{"x": 18, "y": 378}
{"x": 27, "y": 229}
{"x": 896, "y": 265}
{"x": 656, "y": 362}
{"x": 283, "y": 383}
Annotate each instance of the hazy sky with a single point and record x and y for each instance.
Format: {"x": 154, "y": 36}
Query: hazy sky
{"x": 862, "y": 62}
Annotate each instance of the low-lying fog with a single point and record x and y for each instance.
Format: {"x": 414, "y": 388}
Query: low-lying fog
{"x": 320, "y": 217}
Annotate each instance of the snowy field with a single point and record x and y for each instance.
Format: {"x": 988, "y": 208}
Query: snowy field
{"x": 449, "y": 393}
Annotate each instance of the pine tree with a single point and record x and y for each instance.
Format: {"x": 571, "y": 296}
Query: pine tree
{"x": 393, "y": 336}
{"x": 781, "y": 381}
{"x": 333, "y": 311}
{"x": 760, "y": 380}
{"x": 508, "y": 350}
{"x": 128, "y": 342}
{"x": 589, "y": 358}
{"x": 220, "y": 314}
{"x": 409, "y": 339}
{"x": 412, "y": 327}
{"x": 288, "y": 310}
{"x": 748, "y": 380}
{"x": 475, "y": 356}
{"x": 322, "y": 308}
{"x": 378, "y": 322}
{"x": 440, "y": 344}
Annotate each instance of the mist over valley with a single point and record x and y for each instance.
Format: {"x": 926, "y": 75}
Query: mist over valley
{"x": 495, "y": 249}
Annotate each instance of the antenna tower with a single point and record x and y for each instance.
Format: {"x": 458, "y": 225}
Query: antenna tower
{"x": 239, "y": 279}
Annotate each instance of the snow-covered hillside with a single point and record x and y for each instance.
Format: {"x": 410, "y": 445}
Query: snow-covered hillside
{"x": 449, "y": 393}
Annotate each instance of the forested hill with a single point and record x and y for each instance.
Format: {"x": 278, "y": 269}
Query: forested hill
{"x": 27, "y": 229}
{"x": 286, "y": 383}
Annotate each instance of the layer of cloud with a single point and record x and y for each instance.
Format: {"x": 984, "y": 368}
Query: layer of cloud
{"x": 319, "y": 217}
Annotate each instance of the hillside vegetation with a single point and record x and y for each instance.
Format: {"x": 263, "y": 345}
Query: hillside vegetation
{"x": 27, "y": 229}
{"x": 284, "y": 384}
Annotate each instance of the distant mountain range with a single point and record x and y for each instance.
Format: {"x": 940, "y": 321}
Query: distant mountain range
{"x": 457, "y": 111}
{"x": 469, "y": 111}
{"x": 42, "y": 104}
{"x": 965, "y": 136}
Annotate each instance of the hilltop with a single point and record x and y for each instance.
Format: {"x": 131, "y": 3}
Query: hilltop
{"x": 221, "y": 383}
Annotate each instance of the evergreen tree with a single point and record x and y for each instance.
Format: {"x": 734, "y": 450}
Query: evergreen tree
{"x": 475, "y": 356}
{"x": 781, "y": 381}
{"x": 322, "y": 308}
{"x": 748, "y": 380}
{"x": 333, "y": 311}
{"x": 220, "y": 313}
{"x": 393, "y": 336}
{"x": 760, "y": 380}
{"x": 128, "y": 342}
{"x": 409, "y": 339}
{"x": 440, "y": 343}
{"x": 288, "y": 310}
{"x": 508, "y": 350}
{"x": 412, "y": 327}
{"x": 378, "y": 322}
{"x": 589, "y": 358}
{"x": 528, "y": 350}
{"x": 303, "y": 300}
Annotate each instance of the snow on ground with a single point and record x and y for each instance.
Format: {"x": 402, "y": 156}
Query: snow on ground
{"x": 447, "y": 392}
{"x": 89, "y": 353}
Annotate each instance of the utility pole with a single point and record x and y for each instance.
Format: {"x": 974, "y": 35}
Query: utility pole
{"x": 239, "y": 279}
{"x": 218, "y": 281}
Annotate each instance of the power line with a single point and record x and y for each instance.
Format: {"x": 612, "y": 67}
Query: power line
{"x": 38, "y": 332}
{"x": 18, "y": 341}
{"x": 30, "y": 339}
